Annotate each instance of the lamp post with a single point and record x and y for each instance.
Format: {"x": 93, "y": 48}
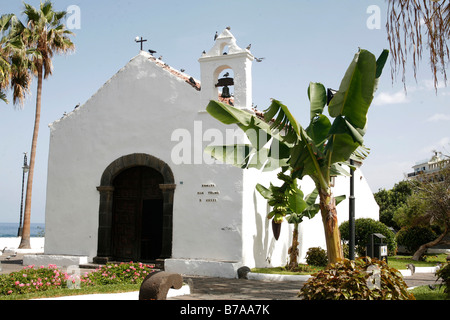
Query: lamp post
{"x": 351, "y": 217}
{"x": 25, "y": 169}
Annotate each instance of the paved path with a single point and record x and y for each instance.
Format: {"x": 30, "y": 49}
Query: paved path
{"x": 207, "y": 288}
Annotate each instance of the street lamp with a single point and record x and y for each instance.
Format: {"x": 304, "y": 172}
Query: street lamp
{"x": 25, "y": 169}
{"x": 351, "y": 218}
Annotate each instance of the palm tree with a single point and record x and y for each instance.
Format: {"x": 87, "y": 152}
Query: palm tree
{"x": 35, "y": 43}
{"x": 411, "y": 25}
{"x": 14, "y": 62}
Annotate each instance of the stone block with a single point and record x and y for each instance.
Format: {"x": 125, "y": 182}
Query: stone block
{"x": 156, "y": 285}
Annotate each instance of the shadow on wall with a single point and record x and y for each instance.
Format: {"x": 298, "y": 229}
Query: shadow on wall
{"x": 263, "y": 242}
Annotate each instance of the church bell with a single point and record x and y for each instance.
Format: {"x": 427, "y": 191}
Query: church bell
{"x": 225, "y": 92}
{"x": 224, "y": 83}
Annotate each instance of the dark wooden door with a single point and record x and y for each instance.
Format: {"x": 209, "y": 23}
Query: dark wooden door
{"x": 137, "y": 214}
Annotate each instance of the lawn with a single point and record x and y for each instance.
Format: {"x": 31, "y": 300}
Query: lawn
{"x": 396, "y": 262}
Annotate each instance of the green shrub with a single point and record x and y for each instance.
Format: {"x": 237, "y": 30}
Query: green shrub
{"x": 356, "y": 280}
{"x": 116, "y": 273}
{"x": 414, "y": 236}
{"x": 364, "y": 227}
{"x": 316, "y": 257}
{"x": 30, "y": 279}
{"x": 444, "y": 275}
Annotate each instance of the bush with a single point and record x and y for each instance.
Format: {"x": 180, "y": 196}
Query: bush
{"x": 414, "y": 236}
{"x": 444, "y": 274}
{"x": 29, "y": 279}
{"x": 364, "y": 227}
{"x": 113, "y": 273}
{"x": 356, "y": 280}
{"x": 316, "y": 257}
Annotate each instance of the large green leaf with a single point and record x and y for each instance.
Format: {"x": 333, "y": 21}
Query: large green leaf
{"x": 318, "y": 130}
{"x": 266, "y": 193}
{"x": 318, "y": 98}
{"x": 238, "y": 155}
{"x": 296, "y": 202}
{"x": 356, "y": 90}
{"x": 284, "y": 121}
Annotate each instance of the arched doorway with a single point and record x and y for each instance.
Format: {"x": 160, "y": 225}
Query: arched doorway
{"x": 137, "y": 218}
{"x": 136, "y": 209}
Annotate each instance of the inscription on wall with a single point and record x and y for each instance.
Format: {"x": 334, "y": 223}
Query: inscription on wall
{"x": 208, "y": 193}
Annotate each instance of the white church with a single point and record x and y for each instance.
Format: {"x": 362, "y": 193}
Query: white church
{"x": 128, "y": 179}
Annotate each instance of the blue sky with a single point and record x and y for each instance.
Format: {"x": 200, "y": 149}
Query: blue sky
{"x": 301, "y": 41}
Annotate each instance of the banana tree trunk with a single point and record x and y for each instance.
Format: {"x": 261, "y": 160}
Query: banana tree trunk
{"x": 330, "y": 224}
{"x": 293, "y": 250}
{"x": 25, "y": 241}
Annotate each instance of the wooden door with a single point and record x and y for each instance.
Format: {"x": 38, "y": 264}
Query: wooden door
{"x": 137, "y": 210}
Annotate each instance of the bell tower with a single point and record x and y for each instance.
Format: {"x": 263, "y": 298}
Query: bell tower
{"x": 224, "y": 55}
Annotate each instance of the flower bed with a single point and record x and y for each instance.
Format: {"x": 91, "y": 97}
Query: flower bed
{"x": 31, "y": 279}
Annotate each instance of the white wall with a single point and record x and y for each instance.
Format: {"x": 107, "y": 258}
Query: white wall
{"x": 130, "y": 116}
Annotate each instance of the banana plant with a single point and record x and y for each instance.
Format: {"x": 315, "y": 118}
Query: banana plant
{"x": 288, "y": 202}
{"x": 320, "y": 151}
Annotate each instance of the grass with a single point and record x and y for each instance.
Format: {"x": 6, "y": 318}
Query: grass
{"x": 425, "y": 293}
{"x": 102, "y": 289}
{"x": 400, "y": 262}
{"x": 396, "y": 262}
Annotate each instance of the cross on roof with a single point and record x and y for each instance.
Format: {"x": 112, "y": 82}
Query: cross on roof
{"x": 141, "y": 40}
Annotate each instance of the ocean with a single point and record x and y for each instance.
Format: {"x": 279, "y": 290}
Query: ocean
{"x": 10, "y": 229}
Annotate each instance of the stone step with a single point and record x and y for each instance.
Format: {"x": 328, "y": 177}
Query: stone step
{"x": 158, "y": 264}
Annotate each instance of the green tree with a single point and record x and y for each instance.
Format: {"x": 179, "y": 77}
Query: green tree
{"x": 13, "y": 61}
{"x": 364, "y": 228}
{"x": 320, "y": 150}
{"x": 434, "y": 199}
{"x": 35, "y": 42}
{"x": 391, "y": 200}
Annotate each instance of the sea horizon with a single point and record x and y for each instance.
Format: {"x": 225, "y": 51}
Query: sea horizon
{"x": 10, "y": 229}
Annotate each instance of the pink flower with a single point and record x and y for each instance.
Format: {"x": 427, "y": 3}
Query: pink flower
{"x": 24, "y": 275}
{"x": 10, "y": 291}
{"x": 16, "y": 283}
{"x": 21, "y": 285}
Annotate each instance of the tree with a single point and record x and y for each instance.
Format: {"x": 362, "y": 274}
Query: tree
{"x": 391, "y": 200}
{"x": 13, "y": 62}
{"x": 320, "y": 150}
{"x": 288, "y": 202}
{"x": 435, "y": 198}
{"x": 414, "y": 24}
{"x": 35, "y": 43}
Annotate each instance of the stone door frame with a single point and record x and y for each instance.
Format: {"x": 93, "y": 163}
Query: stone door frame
{"x": 106, "y": 190}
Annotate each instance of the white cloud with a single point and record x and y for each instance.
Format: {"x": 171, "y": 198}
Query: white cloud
{"x": 390, "y": 98}
{"x": 439, "y": 117}
{"x": 442, "y": 145}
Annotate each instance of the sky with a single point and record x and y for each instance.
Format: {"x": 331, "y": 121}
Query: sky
{"x": 302, "y": 41}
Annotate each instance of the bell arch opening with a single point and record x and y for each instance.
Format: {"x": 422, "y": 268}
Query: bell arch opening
{"x": 136, "y": 209}
{"x": 224, "y": 77}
